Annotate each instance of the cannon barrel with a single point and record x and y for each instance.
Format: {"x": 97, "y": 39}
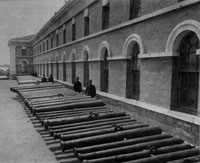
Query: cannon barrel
{"x": 168, "y": 149}
{"x": 62, "y": 102}
{"x": 92, "y": 125}
{"x": 96, "y": 113}
{"x": 58, "y": 99}
{"x": 92, "y": 130}
{"x": 120, "y": 158}
{"x": 70, "y": 106}
{"x": 169, "y": 156}
{"x": 75, "y": 110}
{"x": 80, "y": 119}
{"x": 134, "y": 133}
{"x": 45, "y": 96}
{"x": 193, "y": 159}
{"x": 120, "y": 143}
{"x": 114, "y": 128}
{"x": 127, "y": 149}
{"x": 126, "y": 117}
{"x": 41, "y": 88}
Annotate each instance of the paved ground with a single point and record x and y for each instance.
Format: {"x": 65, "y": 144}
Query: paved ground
{"x": 19, "y": 140}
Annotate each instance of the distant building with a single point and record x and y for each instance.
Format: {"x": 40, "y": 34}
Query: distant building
{"x": 21, "y": 55}
{"x": 142, "y": 55}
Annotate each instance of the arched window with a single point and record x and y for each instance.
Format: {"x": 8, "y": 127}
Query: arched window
{"x": 133, "y": 71}
{"x": 104, "y": 71}
{"x": 85, "y": 69}
{"x": 186, "y": 75}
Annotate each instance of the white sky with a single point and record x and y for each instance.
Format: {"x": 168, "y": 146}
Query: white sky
{"x": 19, "y": 18}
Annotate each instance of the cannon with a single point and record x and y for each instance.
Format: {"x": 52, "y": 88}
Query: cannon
{"x": 169, "y": 156}
{"x": 69, "y": 106}
{"x": 120, "y": 143}
{"x": 88, "y": 126}
{"x": 80, "y": 119}
{"x": 98, "y": 121}
{"x": 134, "y": 133}
{"x": 119, "y": 158}
{"x": 128, "y": 148}
{"x": 113, "y": 128}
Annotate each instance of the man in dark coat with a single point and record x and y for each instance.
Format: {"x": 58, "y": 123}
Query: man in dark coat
{"x": 50, "y": 78}
{"x": 77, "y": 85}
{"x": 90, "y": 90}
{"x": 44, "y": 79}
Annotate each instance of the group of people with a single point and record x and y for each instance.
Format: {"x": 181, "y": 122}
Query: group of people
{"x": 89, "y": 91}
{"x": 50, "y": 79}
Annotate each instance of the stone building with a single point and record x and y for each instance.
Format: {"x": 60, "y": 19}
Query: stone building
{"x": 21, "y": 56}
{"x": 143, "y": 57}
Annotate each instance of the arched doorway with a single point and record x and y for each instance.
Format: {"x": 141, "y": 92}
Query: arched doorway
{"x": 133, "y": 71}
{"x": 85, "y": 69}
{"x": 104, "y": 76}
{"x": 24, "y": 67}
{"x": 185, "y": 79}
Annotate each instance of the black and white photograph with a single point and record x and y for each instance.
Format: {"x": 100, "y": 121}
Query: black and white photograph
{"x": 100, "y": 81}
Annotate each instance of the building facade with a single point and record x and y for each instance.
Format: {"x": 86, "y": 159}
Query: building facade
{"x": 143, "y": 57}
{"x": 21, "y": 56}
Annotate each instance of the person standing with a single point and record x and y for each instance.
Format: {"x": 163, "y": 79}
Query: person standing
{"x": 90, "y": 90}
{"x": 50, "y": 78}
{"x": 44, "y": 79}
{"x": 77, "y": 85}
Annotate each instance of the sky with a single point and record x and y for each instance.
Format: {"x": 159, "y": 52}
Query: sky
{"x": 19, "y": 18}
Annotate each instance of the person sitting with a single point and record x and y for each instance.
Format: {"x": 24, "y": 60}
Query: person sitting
{"x": 90, "y": 90}
{"x": 44, "y": 79}
{"x": 77, "y": 85}
{"x": 50, "y": 78}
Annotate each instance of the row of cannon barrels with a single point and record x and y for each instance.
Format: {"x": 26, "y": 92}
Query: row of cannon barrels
{"x": 98, "y": 134}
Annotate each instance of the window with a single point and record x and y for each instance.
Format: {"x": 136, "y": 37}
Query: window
{"x": 43, "y": 46}
{"x": 51, "y": 41}
{"x": 85, "y": 70}
{"x": 86, "y": 22}
{"x": 186, "y": 76}
{"x": 64, "y": 69}
{"x": 105, "y": 16}
{"x": 57, "y": 38}
{"x": 40, "y": 48}
{"x": 64, "y": 34}
{"x": 73, "y": 72}
{"x": 57, "y": 70}
{"x": 73, "y": 29}
{"x": 104, "y": 72}
{"x": 134, "y": 9}
{"x": 23, "y": 51}
{"x": 133, "y": 72}
{"x": 47, "y": 44}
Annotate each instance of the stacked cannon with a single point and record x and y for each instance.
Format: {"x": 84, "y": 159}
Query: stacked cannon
{"x": 98, "y": 134}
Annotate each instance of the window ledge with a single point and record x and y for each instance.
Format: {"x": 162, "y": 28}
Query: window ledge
{"x": 174, "y": 114}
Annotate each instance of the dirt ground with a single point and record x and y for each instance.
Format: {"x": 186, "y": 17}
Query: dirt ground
{"x": 19, "y": 140}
